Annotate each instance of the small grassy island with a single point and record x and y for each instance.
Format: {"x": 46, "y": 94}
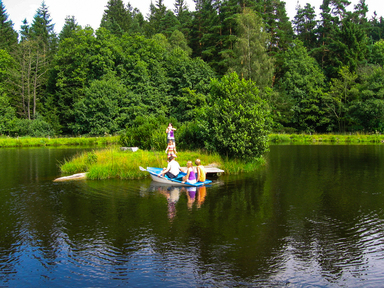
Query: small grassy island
{"x": 114, "y": 163}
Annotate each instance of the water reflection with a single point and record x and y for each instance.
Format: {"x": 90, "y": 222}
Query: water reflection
{"x": 195, "y": 195}
{"x": 314, "y": 216}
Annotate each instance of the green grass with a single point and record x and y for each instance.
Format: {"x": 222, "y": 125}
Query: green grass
{"x": 355, "y": 138}
{"x": 113, "y": 163}
{"x": 70, "y": 141}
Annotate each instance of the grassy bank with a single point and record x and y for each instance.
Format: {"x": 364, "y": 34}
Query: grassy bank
{"x": 113, "y": 163}
{"x": 326, "y": 138}
{"x": 40, "y": 142}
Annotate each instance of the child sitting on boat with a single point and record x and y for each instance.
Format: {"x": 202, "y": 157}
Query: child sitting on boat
{"x": 201, "y": 173}
{"x": 172, "y": 170}
{"x": 191, "y": 176}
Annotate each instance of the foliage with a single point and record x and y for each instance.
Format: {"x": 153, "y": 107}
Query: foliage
{"x": 145, "y": 133}
{"x": 99, "y": 111}
{"x": 96, "y": 82}
{"x": 302, "y": 82}
{"x": 7, "y": 115}
{"x": 8, "y": 36}
{"x": 236, "y": 121}
{"x": 251, "y": 60}
{"x": 342, "y": 93}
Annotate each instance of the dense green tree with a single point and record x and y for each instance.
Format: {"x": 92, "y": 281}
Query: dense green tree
{"x": 7, "y": 63}
{"x": 80, "y": 59}
{"x": 8, "y": 36}
{"x": 168, "y": 24}
{"x": 69, "y": 27}
{"x": 184, "y": 16}
{"x": 177, "y": 39}
{"x": 100, "y": 111}
{"x": 377, "y": 55}
{"x": 205, "y": 34}
{"x": 276, "y": 23}
{"x": 7, "y": 115}
{"x": 377, "y": 28}
{"x": 115, "y": 17}
{"x": 304, "y": 25}
{"x": 42, "y": 30}
{"x": 36, "y": 51}
{"x": 251, "y": 60}
{"x": 367, "y": 110}
{"x": 349, "y": 47}
{"x": 303, "y": 82}
{"x": 236, "y": 121}
{"x": 332, "y": 14}
{"x": 189, "y": 81}
{"x": 338, "y": 101}
{"x": 157, "y": 12}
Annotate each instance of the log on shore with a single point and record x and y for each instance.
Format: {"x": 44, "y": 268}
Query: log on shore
{"x": 79, "y": 176}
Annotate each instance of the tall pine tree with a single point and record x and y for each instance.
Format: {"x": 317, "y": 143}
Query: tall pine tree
{"x": 8, "y": 36}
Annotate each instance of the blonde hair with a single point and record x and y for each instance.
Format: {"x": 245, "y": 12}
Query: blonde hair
{"x": 189, "y": 164}
{"x": 197, "y": 162}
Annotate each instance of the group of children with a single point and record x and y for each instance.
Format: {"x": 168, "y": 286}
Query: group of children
{"x": 173, "y": 169}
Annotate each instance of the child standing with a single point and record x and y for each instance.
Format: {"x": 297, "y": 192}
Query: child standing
{"x": 171, "y": 148}
{"x": 170, "y": 133}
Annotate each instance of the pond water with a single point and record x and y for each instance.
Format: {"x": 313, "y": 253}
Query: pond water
{"x": 313, "y": 216}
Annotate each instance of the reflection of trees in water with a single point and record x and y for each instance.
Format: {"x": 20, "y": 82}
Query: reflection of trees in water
{"x": 322, "y": 196}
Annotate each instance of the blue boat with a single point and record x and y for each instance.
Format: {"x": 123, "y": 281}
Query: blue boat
{"x": 155, "y": 172}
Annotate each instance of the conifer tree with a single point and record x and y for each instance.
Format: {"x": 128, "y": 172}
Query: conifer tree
{"x": 36, "y": 51}
{"x": 157, "y": 13}
{"x": 69, "y": 27}
{"x": 205, "y": 36}
{"x": 184, "y": 16}
{"x": 377, "y": 28}
{"x": 8, "y": 36}
{"x": 42, "y": 29}
{"x": 332, "y": 15}
{"x": 115, "y": 17}
{"x": 305, "y": 24}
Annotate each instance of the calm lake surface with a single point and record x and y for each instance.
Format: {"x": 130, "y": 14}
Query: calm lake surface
{"x": 313, "y": 216}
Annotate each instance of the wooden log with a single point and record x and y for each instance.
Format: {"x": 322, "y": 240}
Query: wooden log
{"x": 79, "y": 176}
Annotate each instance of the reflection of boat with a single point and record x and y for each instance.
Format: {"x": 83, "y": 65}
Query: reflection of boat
{"x": 155, "y": 172}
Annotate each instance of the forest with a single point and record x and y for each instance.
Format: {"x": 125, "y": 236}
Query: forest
{"x": 232, "y": 69}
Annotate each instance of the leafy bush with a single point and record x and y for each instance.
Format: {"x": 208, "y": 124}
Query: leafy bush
{"x": 147, "y": 133}
{"x": 237, "y": 121}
